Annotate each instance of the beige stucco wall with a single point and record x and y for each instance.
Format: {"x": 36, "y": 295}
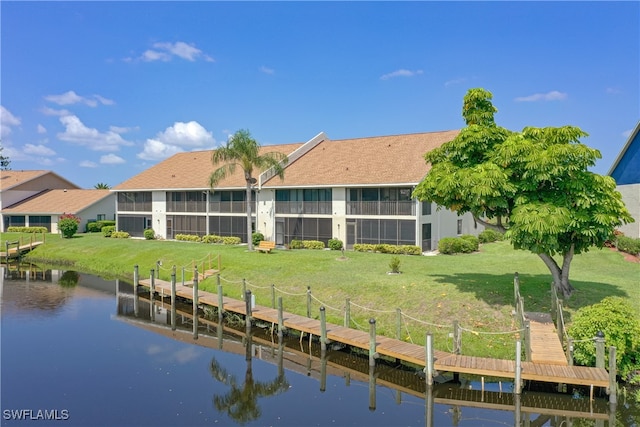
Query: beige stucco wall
{"x": 631, "y": 197}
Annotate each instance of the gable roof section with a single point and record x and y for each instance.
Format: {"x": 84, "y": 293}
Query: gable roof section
{"x": 58, "y": 202}
{"x": 190, "y": 170}
{"x": 382, "y": 160}
{"x": 11, "y": 179}
{"x": 626, "y": 168}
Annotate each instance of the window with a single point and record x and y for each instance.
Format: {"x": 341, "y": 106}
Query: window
{"x": 426, "y": 208}
{"x": 101, "y": 217}
{"x": 459, "y": 226}
{"x": 390, "y": 231}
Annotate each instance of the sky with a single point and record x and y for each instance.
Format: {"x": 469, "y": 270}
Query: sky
{"x": 97, "y": 92}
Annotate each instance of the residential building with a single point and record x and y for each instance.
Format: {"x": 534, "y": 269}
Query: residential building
{"x": 626, "y": 171}
{"x": 357, "y": 190}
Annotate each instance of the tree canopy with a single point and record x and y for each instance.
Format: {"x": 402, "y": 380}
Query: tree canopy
{"x": 243, "y": 151}
{"x": 534, "y": 185}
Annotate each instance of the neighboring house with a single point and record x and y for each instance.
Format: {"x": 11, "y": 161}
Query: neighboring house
{"x": 45, "y": 208}
{"x": 356, "y": 190}
{"x": 626, "y": 172}
{"x": 16, "y": 186}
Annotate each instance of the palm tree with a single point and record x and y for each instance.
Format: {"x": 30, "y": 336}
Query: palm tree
{"x": 101, "y": 186}
{"x": 244, "y": 151}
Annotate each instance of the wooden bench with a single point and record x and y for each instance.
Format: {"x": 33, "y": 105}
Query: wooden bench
{"x": 266, "y": 246}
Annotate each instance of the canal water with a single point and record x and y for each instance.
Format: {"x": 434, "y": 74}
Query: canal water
{"x": 77, "y": 350}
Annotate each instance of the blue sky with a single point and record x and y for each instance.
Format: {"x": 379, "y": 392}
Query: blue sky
{"x": 99, "y": 91}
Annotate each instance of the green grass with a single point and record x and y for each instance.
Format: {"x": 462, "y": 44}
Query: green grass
{"x": 474, "y": 289}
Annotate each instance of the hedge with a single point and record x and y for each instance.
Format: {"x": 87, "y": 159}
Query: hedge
{"x": 27, "y": 230}
{"x": 306, "y": 244}
{"x": 385, "y": 248}
{"x": 628, "y": 245}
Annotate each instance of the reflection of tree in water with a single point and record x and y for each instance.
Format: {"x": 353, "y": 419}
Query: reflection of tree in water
{"x": 69, "y": 279}
{"x": 241, "y": 402}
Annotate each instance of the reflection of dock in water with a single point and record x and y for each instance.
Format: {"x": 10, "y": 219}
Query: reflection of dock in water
{"x": 304, "y": 356}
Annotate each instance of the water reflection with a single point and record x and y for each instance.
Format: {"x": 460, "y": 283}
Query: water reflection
{"x": 241, "y": 401}
{"x": 248, "y": 394}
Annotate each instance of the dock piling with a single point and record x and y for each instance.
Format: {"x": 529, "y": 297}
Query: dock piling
{"x": 517, "y": 383}
{"x": 372, "y": 342}
{"x": 323, "y": 330}
{"x": 429, "y": 360}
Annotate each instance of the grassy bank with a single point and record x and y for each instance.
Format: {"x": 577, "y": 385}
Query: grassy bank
{"x": 474, "y": 289}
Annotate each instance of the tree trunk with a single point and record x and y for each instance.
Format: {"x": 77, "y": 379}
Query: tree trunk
{"x": 249, "y": 231}
{"x": 560, "y": 275}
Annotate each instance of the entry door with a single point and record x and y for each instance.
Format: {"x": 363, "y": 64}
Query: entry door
{"x": 279, "y": 231}
{"x": 169, "y": 228}
{"x": 351, "y": 234}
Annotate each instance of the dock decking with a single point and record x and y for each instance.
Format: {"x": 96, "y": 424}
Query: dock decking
{"x": 407, "y": 352}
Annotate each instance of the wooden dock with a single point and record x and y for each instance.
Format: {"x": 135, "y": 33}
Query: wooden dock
{"x": 298, "y": 358}
{"x": 19, "y": 250}
{"x": 546, "y": 348}
{"x": 400, "y": 350}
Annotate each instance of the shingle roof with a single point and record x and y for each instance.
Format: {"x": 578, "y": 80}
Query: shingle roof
{"x": 58, "y": 202}
{"x": 190, "y": 170}
{"x": 11, "y": 178}
{"x": 396, "y": 159}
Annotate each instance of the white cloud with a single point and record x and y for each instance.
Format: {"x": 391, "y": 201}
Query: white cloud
{"x": 7, "y": 121}
{"x": 87, "y": 164}
{"x": 165, "y": 51}
{"x": 76, "y": 132}
{"x": 47, "y": 111}
{"x": 267, "y": 70}
{"x": 455, "y": 81}
{"x": 175, "y": 139}
{"x": 38, "y": 150}
{"x": 41, "y": 129}
{"x": 111, "y": 159}
{"x": 119, "y": 129}
{"x": 554, "y": 95}
{"x": 400, "y": 73}
{"x": 70, "y": 97}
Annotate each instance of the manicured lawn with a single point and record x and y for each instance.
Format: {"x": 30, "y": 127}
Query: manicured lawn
{"x": 432, "y": 291}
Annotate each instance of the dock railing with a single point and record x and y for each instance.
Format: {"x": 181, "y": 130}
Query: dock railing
{"x": 557, "y": 316}
{"x": 523, "y": 322}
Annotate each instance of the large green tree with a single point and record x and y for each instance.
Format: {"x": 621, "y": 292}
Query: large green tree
{"x": 243, "y": 151}
{"x": 534, "y": 185}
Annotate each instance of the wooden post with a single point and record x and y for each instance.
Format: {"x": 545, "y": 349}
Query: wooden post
{"x": 136, "y": 278}
{"x": 372, "y": 342}
{"x": 527, "y": 339}
{"x": 347, "y": 313}
{"x": 309, "y": 301}
{"x": 429, "y": 407}
{"x": 429, "y": 360}
{"x": 517, "y": 383}
{"x": 182, "y": 276}
{"x": 173, "y": 298}
{"x": 599, "y": 342}
{"x": 323, "y": 370}
{"x": 517, "y": 410}
{"x": 457, "y": 342}
{"x": 613, "y": 385}
{"x": 247, "y": 302}
{"x": 280, "y": 319}
{"x": 273, "y": 296}
{"x": 554, "y": 307}
{"x": 372, "y": 388}
{"x": 398, "y": 324}
{"x": 570, "y": 351}
{"x": 516, "y": 288}
{"x": 136, "y": 298}
{"x": 195, "y": 287}
{"x": 559, "y": 322}
{"x": 152, "y": 284}
{"x": 323, "y": 330}
{"x": 220, "y": 301}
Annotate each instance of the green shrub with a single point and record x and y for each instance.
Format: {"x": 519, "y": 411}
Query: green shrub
{"x": 120, "y": 235}
{"x": 211, "y": 238}
{"x": 489, "y": 235}
{"x": 385, "y": 248}
{"x": 149, "y": 234}
{"x": 394, "y": 264}
{"x": 256, "y": 238}
{"x": 296, "y": 244}
{"x": 621, "y": 327}
{"x": 231, "y": 240}
{"x": 313, "y": 244}
{"x": 27, "y": 230}
{"x": 96, "y": 226}
{"x": 335, "y": 244}
{"x": 188, "y": 237}
{"x": 628, "y": 245}
{"x": 68, "y": 225}
{"x": 108, "y": 230}
{"x": 471, "y": 243}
